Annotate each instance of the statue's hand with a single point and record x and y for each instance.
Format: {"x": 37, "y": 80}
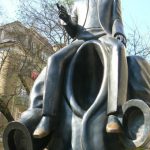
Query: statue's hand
{"x": 121, "y": 38}
{"x": 63, "y": 13}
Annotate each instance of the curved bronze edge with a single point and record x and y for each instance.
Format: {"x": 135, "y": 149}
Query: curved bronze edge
{"x": 9, "y": 134}
{"x": 143, "y": 140}
{"x": 70, "y": 96}
{"x": 100, "y": 99}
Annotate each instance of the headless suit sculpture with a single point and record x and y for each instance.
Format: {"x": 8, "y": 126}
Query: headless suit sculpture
{"x": 90, "y": 19}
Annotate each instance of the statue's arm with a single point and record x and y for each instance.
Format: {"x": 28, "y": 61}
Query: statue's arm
{"x": 68, "y": 22}
{"x": 117, "y": 28}
{"x": 71, "y": 28}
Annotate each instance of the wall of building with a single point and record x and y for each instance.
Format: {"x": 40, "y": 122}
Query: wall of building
{"x": 22, "y": 51}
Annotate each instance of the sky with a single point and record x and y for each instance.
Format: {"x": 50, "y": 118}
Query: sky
{"x": 135, "y": 13}
{"x": 9, "y": 7}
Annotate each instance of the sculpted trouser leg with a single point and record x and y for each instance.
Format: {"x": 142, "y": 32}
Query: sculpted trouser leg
{"x": 118, "y": 74}
{"x": 117, "y": 82}
{"x": 53, "y": 85}
{"x": 118, "y": 79}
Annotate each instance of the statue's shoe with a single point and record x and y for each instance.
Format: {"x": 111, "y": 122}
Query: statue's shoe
{"x": 43, "y": 128}
{"x": 113, "y": 125}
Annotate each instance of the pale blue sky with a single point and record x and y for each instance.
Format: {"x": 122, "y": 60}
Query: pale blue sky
{"x": 135, "y": 12}
{"x": 9, "y": 9}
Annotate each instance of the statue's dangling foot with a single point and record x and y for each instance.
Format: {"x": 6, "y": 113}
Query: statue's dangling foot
{"x": 43, "y": 128}
{"x": 113, "y": 125}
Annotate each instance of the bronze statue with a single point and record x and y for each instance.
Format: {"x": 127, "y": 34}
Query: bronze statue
{"x": 78, "y": 102}
{"x": 90, "y": 19}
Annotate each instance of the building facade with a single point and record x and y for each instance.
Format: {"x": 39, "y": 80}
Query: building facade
{"x": 23, "y": 54}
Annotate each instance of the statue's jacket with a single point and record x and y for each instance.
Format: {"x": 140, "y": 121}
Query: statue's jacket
{"x": 108, "y": 12}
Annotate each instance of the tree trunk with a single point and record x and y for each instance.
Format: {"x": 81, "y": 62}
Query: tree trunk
{"x": 4, "y": 109}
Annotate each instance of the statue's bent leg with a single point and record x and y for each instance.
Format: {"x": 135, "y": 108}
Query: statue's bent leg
{"x": 53, "y": 88}
{"x": 117, "y": 82}
{"x": 118, "y": 78}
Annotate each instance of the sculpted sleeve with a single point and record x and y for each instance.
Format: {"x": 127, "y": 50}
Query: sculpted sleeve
{"x": 71, "y": 26}
{"x": 117, "y": 27}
